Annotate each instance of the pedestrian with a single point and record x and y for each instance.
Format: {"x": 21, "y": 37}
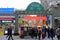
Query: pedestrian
{"x": 43, "y": 32}
{"x": 9, "y": 33}
{"x": 35, "y": 32}
{"x": 52, "y": 33}
{"x": 32, "y": 32}
{"x": 22, "y": 31}
{"x": 39, "y": 33}
{"x": 58, "y": 33}
{"x": 48, "y": 32}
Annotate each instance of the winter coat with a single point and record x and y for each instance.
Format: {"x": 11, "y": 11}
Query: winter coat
{"x": 58, "y": 32}
{"x": 52, "y": 33}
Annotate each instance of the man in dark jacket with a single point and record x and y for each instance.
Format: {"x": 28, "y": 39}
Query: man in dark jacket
{"x": 48, "y": 31}
{"x": 39, "y": 33}
{"x": 10, "y": 33}
{"x": 52, "y": 33}
{"x": 44, "y": 32}
{"x": 32, "y": 32}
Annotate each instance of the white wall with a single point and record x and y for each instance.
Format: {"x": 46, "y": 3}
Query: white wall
{"x": 18, "y": 4}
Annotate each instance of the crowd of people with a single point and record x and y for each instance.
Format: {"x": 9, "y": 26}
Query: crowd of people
{"x": 45, "y": 32}
{"x": 39, "y": 32}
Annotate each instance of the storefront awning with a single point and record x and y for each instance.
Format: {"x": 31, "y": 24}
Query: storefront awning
{"x": 6, "y": 18}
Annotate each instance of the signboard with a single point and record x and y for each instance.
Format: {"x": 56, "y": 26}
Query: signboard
{"x": 1, "y": 32}
{"x": 6, "y": 10}
{"x": 35, "y": 17}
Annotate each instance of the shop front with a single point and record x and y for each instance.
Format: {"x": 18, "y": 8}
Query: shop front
{"x": 6, "y": 18}
{"x": 27, "y": 20}
{"x": 33, "y": 17}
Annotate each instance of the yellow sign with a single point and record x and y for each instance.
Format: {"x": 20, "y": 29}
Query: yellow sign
{"x": 44, "y": 23}
{"x": 20, "y": 20}
{"x": 40, "y": 23}
{"x": 1, "y": 32}
{"x": 32, "y": 23}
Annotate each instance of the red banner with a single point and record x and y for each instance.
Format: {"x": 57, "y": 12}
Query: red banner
{"x": 35, "y": 17}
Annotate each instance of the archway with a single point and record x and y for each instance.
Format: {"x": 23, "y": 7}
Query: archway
{"x": 35, "y": 9}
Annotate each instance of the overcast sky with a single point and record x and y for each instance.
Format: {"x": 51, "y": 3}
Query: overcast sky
{"x": 18, "y": 4}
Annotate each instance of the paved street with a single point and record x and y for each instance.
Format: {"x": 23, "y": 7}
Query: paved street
{"x": 26, "y": 38}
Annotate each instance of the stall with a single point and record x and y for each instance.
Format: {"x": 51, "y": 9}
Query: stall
{"x": 6, "y": 18}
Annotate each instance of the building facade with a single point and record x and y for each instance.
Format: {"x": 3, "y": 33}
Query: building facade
{"x": 47, "y": 3}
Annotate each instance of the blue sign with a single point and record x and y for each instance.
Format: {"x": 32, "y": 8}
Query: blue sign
{"x": 6, "y": 10}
